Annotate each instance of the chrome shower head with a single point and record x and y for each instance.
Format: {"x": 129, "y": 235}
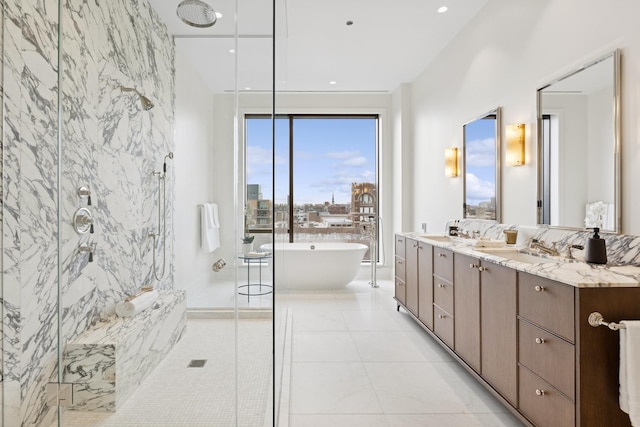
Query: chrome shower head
{"x": 196, "y": 13}
{"x": 147, "y": 104}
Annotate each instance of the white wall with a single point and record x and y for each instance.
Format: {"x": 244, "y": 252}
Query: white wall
{"x": 508, "y": 51}
{"x": 194, "y": 175}
{"x": 294, "y": 103}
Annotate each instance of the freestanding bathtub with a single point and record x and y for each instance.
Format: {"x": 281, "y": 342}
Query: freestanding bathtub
{"x": 321, "y": 265}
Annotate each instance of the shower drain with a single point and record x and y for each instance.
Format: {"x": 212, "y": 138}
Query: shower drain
{"x": 197, "y": 363}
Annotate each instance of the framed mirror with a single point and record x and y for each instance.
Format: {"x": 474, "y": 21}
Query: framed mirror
{"x": 579, "y": 147}
{"x": 481, "y": 166}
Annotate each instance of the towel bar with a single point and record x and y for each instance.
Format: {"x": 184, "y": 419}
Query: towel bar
{"x": 596, "y": 319}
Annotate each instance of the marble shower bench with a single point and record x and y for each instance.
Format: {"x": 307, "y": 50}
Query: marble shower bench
{"x": 109, "y": 361}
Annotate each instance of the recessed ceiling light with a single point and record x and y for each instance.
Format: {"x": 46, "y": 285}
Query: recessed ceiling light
{"x": 442, "y": 9}
{"x": 247, "y": 88}
{"x": 232, "y": 51}
{"x": 332, "y": 82}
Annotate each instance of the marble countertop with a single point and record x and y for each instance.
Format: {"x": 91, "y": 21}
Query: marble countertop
{"x": 571, "y": 272}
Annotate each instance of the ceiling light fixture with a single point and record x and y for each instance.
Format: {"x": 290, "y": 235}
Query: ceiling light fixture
{"x": 332, "y": 82}
{"x": 442, "y": 9}
{"x": 232, "y": 51}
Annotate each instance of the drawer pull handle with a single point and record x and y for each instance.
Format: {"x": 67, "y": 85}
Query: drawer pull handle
{"x": 400, "y": 262}
{"x": 539, "y": 288}
{"x": 441, "y": 316}
{"x": 473, "y": 266}
{"x": 539, "y": 392}
{"x": 441, "y": 254}
{"x": 440, "y": 285}
{"x": 483, "y": 269}
{"x": 540, "y": 341}
{"x": 415, "y": 245}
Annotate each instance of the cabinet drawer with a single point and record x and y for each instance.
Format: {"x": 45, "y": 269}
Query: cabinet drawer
{"x": 443, "y": 325}
{"x": 443, "y": 294}
{"x": 542, "y": 404}
{"x": 400, "y": 291}
{"x": 548, "y": 304}
{"x": 401, "y": 268}
{"x": 548, "y": 356}
{"x": 400, "y": 246}
{"x": 443, "y": 263}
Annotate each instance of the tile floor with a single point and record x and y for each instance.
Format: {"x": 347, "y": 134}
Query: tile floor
{"x": 356, "y": 361}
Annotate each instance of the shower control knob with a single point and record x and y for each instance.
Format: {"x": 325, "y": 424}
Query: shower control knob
{"x": 83, "y": 221}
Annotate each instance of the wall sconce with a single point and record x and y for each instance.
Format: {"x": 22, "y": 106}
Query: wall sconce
{"x": 515, "y": 145}
{"x": 451, "y": 162}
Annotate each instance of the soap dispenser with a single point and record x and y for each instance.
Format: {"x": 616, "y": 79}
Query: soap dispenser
{"x": 595, "y": 249}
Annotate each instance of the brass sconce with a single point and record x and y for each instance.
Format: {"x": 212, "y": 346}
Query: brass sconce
{"x": 515, "y": 145}
{"x": 451, "y": 162}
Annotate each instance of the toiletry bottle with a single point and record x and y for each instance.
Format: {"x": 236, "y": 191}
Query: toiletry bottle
{"x": 595, "y": 249}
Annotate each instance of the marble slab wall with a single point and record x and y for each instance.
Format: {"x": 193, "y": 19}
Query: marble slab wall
{"x": 622, "y": 249}
{"x": 109, "y": 144}
{"x": 107, "y": 363}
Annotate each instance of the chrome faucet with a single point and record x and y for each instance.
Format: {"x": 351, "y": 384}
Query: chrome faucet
{"x": 540, "y": 247}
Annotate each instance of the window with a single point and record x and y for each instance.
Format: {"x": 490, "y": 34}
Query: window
{"x": 325, "y": 172}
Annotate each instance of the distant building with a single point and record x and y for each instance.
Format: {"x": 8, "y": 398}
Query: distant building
{"x": 259, "y": 212}
{"x": 364, "y": 202}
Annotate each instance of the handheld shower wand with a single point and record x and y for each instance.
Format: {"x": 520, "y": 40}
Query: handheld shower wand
{"x": 164, "y": 165}
{"x": 162, "y": 217}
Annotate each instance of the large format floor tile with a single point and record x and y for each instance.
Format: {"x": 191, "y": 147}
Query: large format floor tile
{"x": 358, "y": 361}
{"x": 332, "y": 388}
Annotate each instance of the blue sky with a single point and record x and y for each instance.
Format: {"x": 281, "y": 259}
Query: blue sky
{"x": 329, "y": 155}
{"x": 480, "y": 144}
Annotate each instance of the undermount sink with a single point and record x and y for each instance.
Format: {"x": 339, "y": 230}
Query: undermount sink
{"x": 516, "y": 255}
{"x": 436, "y": 237}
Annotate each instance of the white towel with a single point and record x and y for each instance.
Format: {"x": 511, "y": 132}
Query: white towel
{"x": 630, "y": 370}
{"x": 137, "y": 304}
{"x": 210, "y": 227}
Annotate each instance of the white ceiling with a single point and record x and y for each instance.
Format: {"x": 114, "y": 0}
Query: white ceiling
{"x": 389, "y": 43}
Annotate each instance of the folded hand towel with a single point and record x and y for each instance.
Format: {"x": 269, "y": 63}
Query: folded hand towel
{"x": 630, "y": 370}
{"x": 210, "y": 227}
{"x": 135, "y": 305}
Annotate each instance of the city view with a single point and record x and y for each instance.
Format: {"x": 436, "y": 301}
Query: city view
{"x": 333, "y": 172}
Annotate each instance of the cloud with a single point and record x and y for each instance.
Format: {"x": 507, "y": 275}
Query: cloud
{"x": 355, "y": 161}
{"x": 481, "y": 152}
{"x": 341, "y": 155}
{"x": 478, "y": 190}
{"x": 260, "y": 161}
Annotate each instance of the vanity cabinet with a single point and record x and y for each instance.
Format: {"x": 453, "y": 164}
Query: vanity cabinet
{"x": 524, "y": 337}
{"x": 400, "y": 269}
{"x": 498, "y": 291}
{"x": 443, "y": 298}
{"x": 425, "y": 284}
{"x": 414, "y": 278}
{"x": 467, "y": 308}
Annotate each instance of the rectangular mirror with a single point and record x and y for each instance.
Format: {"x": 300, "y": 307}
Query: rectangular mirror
{"x": 481, "y": 166}
{"x": 579, "y": 147}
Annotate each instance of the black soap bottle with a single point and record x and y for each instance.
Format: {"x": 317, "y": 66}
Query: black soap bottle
{"x": 595, "y": 249}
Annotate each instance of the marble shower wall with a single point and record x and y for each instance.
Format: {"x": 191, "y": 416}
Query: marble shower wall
{"x": 109, "y": 144}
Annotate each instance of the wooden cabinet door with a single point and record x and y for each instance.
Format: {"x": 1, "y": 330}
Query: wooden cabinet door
{"x": 466, "y": 278}
{"x": 400, "y": 270}
{"x": 498, "y": 328}
{"x": 425, "y": 284}
{"x": 411, "y": 282}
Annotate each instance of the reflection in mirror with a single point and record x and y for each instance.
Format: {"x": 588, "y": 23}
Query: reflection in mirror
{"x": 578, "y": 171}
{"x": 481, "y": 163}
